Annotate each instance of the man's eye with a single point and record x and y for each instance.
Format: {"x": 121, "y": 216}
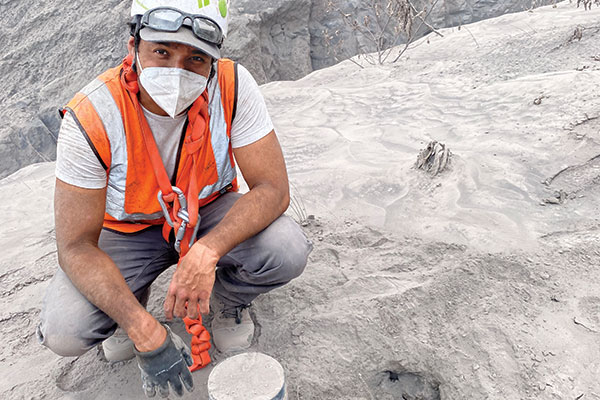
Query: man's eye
{"x": 162, "y": 52}
{"x": 198, "y": 59}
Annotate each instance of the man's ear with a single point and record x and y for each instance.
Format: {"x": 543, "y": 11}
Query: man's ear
{"x": 131, "y": 46}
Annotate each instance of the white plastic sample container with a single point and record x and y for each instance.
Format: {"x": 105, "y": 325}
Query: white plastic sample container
{"x": 247, "y": 376}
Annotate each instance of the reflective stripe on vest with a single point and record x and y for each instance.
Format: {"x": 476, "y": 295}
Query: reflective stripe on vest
{"x": 106, "y": 107}
{"x": 220, "y": 145}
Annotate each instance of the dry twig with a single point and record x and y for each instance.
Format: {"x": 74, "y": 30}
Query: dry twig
{"x": 412, "y": 33}
{"x": 387, "y": 22}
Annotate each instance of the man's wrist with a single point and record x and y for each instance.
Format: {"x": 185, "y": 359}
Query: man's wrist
{"x": 147, "y": 334}
{"x": 208, "y": 251}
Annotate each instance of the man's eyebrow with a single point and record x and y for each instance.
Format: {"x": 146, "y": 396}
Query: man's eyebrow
{"x": 170, "y": 44}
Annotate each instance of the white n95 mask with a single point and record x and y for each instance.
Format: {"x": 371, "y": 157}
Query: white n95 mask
{"x": 173, "y": 89}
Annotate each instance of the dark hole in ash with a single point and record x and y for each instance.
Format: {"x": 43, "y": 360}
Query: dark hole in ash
{"x": 393, "y": 375}
{"x": 392, "y": 384}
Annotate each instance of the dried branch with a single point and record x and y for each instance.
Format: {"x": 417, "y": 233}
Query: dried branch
{"x": 411, "y": 37}
{"x": 418, "y": 15}
{"x": 386, "y": 24}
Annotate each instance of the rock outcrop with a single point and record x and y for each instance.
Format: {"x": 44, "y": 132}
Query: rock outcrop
{"x": 272, "y": 41}
{"x": 50, "y": 51}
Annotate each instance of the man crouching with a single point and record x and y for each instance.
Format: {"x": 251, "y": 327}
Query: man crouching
{"x": 146, "y": 178}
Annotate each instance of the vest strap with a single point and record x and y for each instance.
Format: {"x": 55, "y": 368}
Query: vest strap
{"x": 181, "y": 211}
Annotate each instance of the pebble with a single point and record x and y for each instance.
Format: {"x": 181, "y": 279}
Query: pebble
{"x": 542, "y": 387}
{"x": 545, "y": 275}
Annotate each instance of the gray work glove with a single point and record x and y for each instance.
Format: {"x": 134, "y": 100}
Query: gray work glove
{"x": 167, "y": 364}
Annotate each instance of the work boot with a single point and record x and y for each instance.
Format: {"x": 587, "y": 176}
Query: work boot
{"x": 232, "y": 327}
{"x": 119, "y": 347}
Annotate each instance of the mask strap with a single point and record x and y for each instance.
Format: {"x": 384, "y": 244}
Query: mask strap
{"x": 136, "y": 62}
{"x": 213, "y": 69}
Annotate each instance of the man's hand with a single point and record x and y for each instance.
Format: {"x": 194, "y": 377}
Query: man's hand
{"x": 264, "y": 170}
{"x": 192, "y": 283}
{"x": 167, "y": 364}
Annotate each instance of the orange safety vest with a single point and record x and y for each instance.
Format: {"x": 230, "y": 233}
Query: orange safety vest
{"x": 107, "y": 117}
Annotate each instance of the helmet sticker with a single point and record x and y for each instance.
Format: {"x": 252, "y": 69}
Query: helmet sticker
{"x": 141, "y": 5}
{"x": 222, "y": 6}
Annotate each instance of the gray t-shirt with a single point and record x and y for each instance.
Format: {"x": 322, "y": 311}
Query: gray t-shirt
{"x": 76, "y": 163}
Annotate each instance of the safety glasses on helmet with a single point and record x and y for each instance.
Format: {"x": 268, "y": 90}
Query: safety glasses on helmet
{"x": 170, "y": 19}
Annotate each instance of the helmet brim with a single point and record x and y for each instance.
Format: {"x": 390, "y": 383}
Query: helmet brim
{"x": 183, "y": 36}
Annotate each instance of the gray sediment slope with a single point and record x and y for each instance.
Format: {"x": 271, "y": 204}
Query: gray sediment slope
{"x": 466, "y": 285}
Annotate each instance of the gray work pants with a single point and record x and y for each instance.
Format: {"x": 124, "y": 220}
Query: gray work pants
{"x": 70, "y": 325}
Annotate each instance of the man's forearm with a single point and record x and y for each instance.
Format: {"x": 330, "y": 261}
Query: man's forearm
{"x": 97, "y": 277}
{"x": 252, "y": 213}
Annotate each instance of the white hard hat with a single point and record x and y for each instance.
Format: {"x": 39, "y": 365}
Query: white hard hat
{"x": 216, "y": 10}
